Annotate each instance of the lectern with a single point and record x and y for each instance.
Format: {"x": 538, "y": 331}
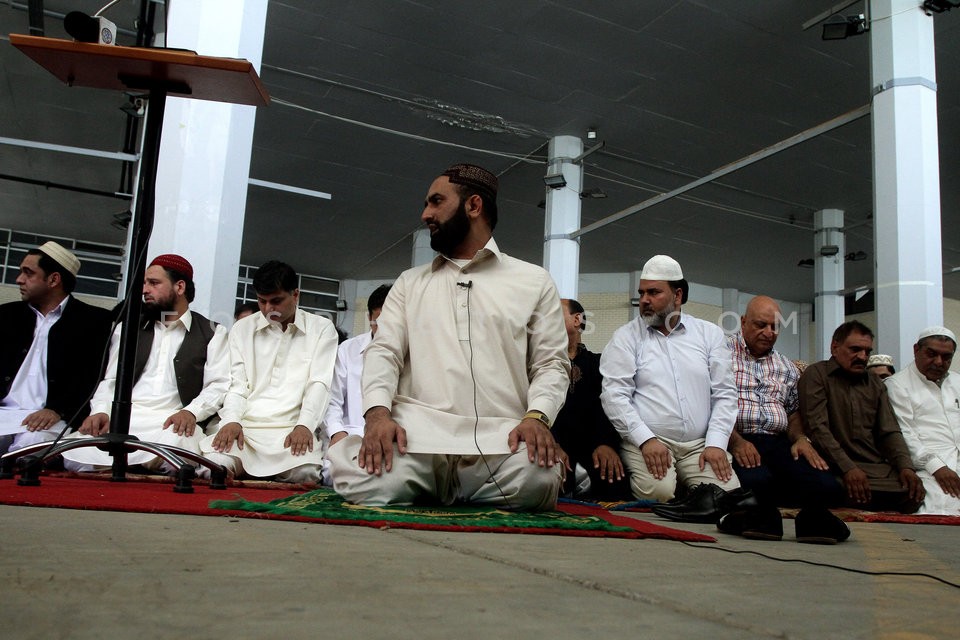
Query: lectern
{"x": 160, "y": 72}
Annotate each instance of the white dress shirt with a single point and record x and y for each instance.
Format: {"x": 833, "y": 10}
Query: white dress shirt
{"x": 679, "y": 386}
{"x": 929, "y": 418}
{"x": 345, "y": 412}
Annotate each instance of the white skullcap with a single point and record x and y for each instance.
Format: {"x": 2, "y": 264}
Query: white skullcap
{"x": 61, "y": 256}
{"x": 880, "y": 360}
{"x": 661, "y": 268}
{"x": 930, "y": 332}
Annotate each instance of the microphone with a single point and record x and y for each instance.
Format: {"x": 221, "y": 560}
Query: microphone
{"x": 85, "y": 28}
{"x": 465, "y": 285}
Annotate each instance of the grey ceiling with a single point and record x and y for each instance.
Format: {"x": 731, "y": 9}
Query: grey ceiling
{"x": 676, "y": 89}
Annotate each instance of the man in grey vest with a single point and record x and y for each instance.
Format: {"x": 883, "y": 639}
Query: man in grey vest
{"x": 181, "y": 373}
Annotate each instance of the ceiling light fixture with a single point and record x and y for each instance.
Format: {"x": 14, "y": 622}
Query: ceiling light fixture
{"x": 555, "y": 180}
{"x": 838, "y": 27}
{"x": 939, "y": 6}
{"x": 594, "y": 193}
{"x": 592, "y": 133}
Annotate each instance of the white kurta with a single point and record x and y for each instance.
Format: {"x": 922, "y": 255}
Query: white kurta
{"x": 278, "y": 380}
{"x": 155, "y": 396}
{"x": 28, "y": 391}
{"x": 929, "y": 418}
{"x": 463, "y": 351}
{"x": 345, "y": 412}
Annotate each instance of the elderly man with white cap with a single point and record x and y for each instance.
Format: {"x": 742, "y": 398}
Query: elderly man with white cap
{"x": 926, "y": 398}
{"x": 669, "y": 391}
{"x": 51, "y": 351}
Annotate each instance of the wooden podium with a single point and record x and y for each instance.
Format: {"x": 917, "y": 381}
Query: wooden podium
{"x": 160, "y": 72}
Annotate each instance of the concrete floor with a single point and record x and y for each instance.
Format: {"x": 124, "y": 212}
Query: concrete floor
{"x": 87, "y": 574}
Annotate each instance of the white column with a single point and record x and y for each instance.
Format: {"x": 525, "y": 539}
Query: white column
{"x": 828, "y": 251}
{"x": 561, "y": 256}
{"x": 205, "y": 154}
{"x": 805, "y": 351}
{"x": 422, "y": 253}
{"x": 730, "y": 310}
{"x": 906, "y": 176}
{"x": 633, "y": 295}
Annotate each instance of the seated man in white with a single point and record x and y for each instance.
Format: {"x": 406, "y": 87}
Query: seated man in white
{"x": 51, "y": 351}
{"x": 926, "y": 399}
{"x": 181, "y": 372}
{"x": 281, "y": 367}
{"x": 345, "y": 413}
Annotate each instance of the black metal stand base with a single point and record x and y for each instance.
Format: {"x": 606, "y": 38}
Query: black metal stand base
{"x": 117, "y": 445}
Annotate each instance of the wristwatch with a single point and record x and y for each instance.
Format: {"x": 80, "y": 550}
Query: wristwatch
{"x": 539, "y": 416}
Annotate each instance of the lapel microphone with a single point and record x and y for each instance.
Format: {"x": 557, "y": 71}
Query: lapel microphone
{"x": 465, "y": 285}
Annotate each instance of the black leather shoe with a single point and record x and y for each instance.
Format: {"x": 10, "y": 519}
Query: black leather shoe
{"x": 816, "y": 525}
{"x": 704, "y": 503}
{"x": 756, "y": 523}
{"x": 740, "y": 498}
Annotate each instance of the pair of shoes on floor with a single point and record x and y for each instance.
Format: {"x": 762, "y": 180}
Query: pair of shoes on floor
{"x": 705, "y": 503}
{"x": 755, "y": 523}
{"x": 817, "y": 525}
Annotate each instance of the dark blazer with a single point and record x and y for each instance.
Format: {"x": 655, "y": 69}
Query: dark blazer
{"x": 75, "y": 353}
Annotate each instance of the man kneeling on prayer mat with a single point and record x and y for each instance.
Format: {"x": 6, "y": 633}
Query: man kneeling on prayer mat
{"x": 280, "y": 374}
{"x": 181, "y": 372}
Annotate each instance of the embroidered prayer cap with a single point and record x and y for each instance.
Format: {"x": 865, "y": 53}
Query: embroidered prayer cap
{"x": 61, "y": 256}
{"x": 880, "y": 360}
{"x": 175, "y": 263}
{"x": 477, "y": 178}
{"x": 941, "y": 332}
{"x": 662, "y": 268}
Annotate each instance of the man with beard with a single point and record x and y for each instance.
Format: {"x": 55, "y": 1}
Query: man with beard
{"x": 466, "y": 372}
{"x": 926, "y": 399}
{"x": 51, "y": 351}
{"x": 181, "y": 372}
{"x": 847, "y": 414}
{"x": 668, "y": 389}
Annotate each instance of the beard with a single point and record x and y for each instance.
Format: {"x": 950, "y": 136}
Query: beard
{"x": 158, "y": 309}
{"x": 450, "y": 234}
{"x": 657, "y": 319}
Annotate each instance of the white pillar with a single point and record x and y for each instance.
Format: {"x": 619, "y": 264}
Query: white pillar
{"x": 730, "y": 310}
{"x": 561, "y": 256}
{"x": 805, "y": 351}
{"x": 828, "y": 252}
{"x": 422, "y": 253}
{"x": 205, "y": 155}
{"x": 634, "y": 285}
{"x": 906, "y": 176}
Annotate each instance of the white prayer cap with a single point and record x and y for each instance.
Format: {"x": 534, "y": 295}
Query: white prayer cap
{"x": 661, "y": 268}
{"x": 930, "y": 332}
{"x": 61, "y": 256}
{"x": 880, "y": 360}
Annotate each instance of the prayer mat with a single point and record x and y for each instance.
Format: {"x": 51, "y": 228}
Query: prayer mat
{"x": 273, "y": 500}
{"x": 847, "y": 515}
{"x": 857, "y": 515}
{"x": 324, "y": 505}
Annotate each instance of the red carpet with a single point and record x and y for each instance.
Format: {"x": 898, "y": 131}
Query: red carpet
{"x": 158, "y": 497}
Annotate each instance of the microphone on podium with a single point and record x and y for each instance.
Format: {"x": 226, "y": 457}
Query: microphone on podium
{"x": 85, "y": 28}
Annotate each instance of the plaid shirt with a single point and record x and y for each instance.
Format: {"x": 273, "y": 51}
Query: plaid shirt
{"x": 766, "y": 389}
